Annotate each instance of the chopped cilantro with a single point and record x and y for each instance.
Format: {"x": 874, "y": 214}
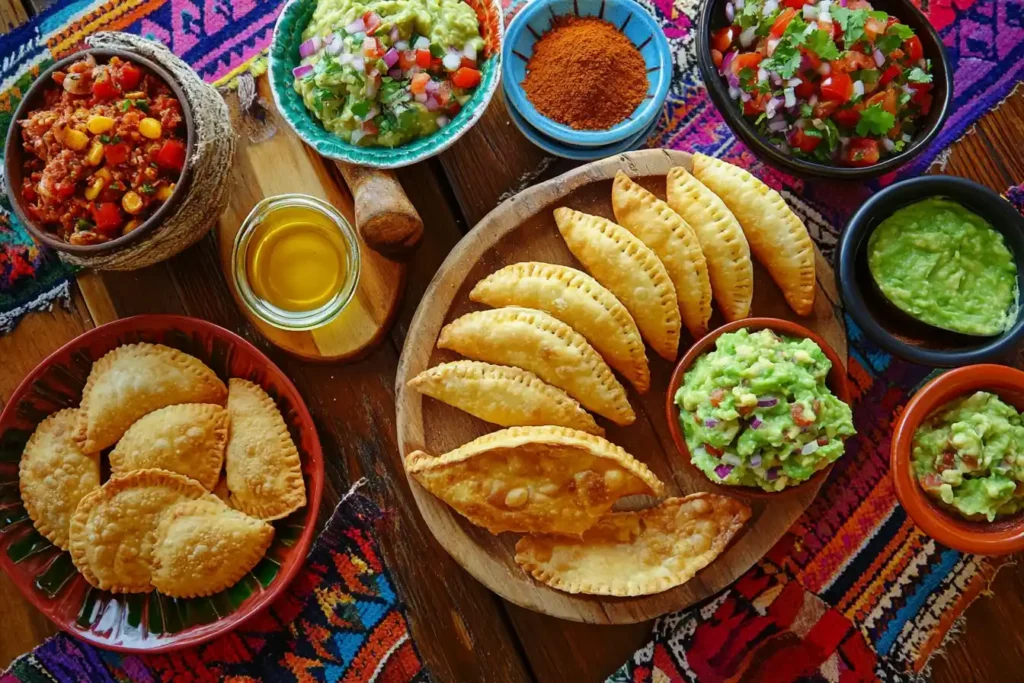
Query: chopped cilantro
{"x": 784, "y": 61}
{"x": 116, "y": 139}
{"x": 361, "y": 109}
{"x": 875, "y": 121}
{"x": 899, "y": 145}
{"x": 82, "y": 224}
{"x": 147, "y": 188}
{"x": 125, "y": 105}
{"x": 851, "y": 21}
{"x": 869, "y": 76}
{"x": 806, "y": 110}
{"x": 436, "y": 51}
{"x": 917, "y": 75}
{"x": 143, "y": 105}
{"x": 878, "y": 15}
{"x": 904, "y": 98}
{"x": 105, "y": 139}
{"x": 746, "y": 74}
{"x": 751, "y": 14}
{"x": 893, "y": 38}
{"x": 831, "y": 135}
{"x": 820, "y": 43}
{"x": 762, "y": 117}
{"x": 813, "y": 133}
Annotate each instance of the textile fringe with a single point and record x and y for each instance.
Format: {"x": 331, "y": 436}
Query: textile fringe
{"x": 61, "y": 294}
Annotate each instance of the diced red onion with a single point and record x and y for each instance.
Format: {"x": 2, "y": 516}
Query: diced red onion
{"x": 402, "y": 45}
{"x": 858, "y": 87}
{"x": 422, "y": 43}
{"x": 310, "y": 47}
{"x": 793, "y": 82}
{"x": 812, "y": 100}
{"x": 842, "y": 3}
{"x": 769, "y": 7}
{"x": 421, "y": 97}
{"x": 776, "y": 78}
{"x": 442, "y": 121}
{"x": 730, "y": 12}
{"x": 356, "y": 26}
{"x": 790, "y": 97}
{"x": 334, "y": 45}
{"x": 727, "y": 60}
{"x": 756, "y": 422}
{"x": 879, "y": 58}
{"x": 745, "y": 96}
{"x": 731, "y": 459}
{"x": 755, "y": 460}
{"x": 432, "y": 104}
{"x": 739, "y": 4}
{"x": 907, "y": 89}
{"x": 432, "y": 86}
{"x": 818, "y": 123}
{"x": 906, "y": 137}
{"x": 810, "y": 12}
{"x": 800, "y": 123}
{"x": 825, "y": 69}
{"x": 469, "y": 52}
{"x": 300, "y": 71}
{"x": 391, "y": 57}
{"x": 767, "y": 402}
{"x": 710, "y": 424}
{"x": 888, "y": 144}
{"x": 762, "y": 75}
{"x": 451, "y": 61}
{"x": 395, "y": 74}
{"x": 747, "y": 36}
{"x": 809, "y": 448}
{"x": 734, "y": 93}
{"x": 771, "y": 45}
{"x": 393, "y": 35}
{"x": 772, "y": 474}
{"x": 723, "y": 471}
{"x": 777, "y": 126}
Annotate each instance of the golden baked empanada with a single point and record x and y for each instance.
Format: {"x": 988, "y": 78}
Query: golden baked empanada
{"x": 134, "y": 380}
{"x": 507, "y": 396}
{"x": 203, "y": 546}
{"x": 637, "y": 553}
{"x": 54, "y": 475}
{"x": 113, "y": 529}
{"x": 674, "y": 242}
{"x": 579, "y": 301}
{"x": 777, "y": 236}
{"x": 721, "y": 239}
{"x": 263, "y": 469}
{"x": 533, "y": 479}
{"x": 188, "y": 438}
{"x": 535, "y": 341}
{"x": 630, "y": 270}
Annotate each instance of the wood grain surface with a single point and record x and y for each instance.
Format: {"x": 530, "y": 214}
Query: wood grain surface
{"x": 464, "y": 631}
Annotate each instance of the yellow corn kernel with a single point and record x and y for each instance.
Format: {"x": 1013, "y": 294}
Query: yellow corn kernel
{"x": 135, "y": 95}
{"x": 131, "y": 225}
{"x": 95, "y": 187}
{"x": 103, "y": 173}
{"x": 75, "y": 139}
{"x": 164, "y": 192}
{"x": 98, "y": 125}
{"x": 131, "y": 202}
{"x": 95, "y": 154}
{"x": 150, "y": 128}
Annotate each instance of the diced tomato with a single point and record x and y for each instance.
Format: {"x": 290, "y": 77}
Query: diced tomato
{"x": 861, "y": 152}
{"x": 115, "y": 154}
{"x": 897, "y": 54}
{"x": 823, "y": 110}
{"x": 813, "y": 60}
{"x": 886, "y": 98}
{"x": 873, "y": 28}
{"x": 454, "y": 108}
{"x": 717, "y": 452}
{"x": 806, "y": 88}
{"x": 466, "y": 78}
{"x": 419, "y": 83}
{"x": 755, "y": 105}
{"x": 407, "y": 59}
{"x": 423, "y": 58}
{"x": 852, "y": 61}
{"x": 468, "y": 63}
{"x": 370, "y": 128}
{"x": 970, "y": 462}
{"x": 837, "y": 87}
{"x": 171, "y": 155}
{"x": 104, "y": 87}
{"x": 837, "y": 30}
{"x": 803, "y": 142}
{"x": 931, "y": 482}
{"x": 847, "y": 117}
{"x": 795, "y": 4}
{"x": 717, "y": 394}
{"x": 779, "y": 27}
{"x": 716, "y": 58}
{"x": 796, "y": 411}
{"x": 947, "y": 462}
{"x": 129, "y": 76}
{"x": 890, "y": 74}
{"x": 822, "y": 440}
{"x": 371, "y": 20}
{"x": 890, "y": 21}
{"x": 722, "y": 39}
{"x": 924, "y": 102}
{"x": 28, "y": 191}
{"x": 747, "y": 60}
{"x": 914, "y": 48}
{"x": 106, "y": 216}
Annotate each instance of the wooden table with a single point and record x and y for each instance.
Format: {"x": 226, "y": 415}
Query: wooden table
{"x": 464, "y": 632}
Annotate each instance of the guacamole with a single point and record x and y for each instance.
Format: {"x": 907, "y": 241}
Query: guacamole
{"x": 969, "y": 455}
{"x": 385, "y": 72}
{"x": 756, "y": 411}
{"x": 945, "y": 266}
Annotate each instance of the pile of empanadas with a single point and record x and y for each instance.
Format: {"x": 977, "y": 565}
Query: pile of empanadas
{"x": 179, "y": 435}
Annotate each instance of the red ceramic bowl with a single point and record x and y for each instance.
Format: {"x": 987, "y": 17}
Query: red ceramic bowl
{"x": 147, "y": 622}
{"x": 987, "y": 538}
{"x": 836, "y": 381}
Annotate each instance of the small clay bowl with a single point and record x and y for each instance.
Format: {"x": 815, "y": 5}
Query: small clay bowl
{"x": 1001, "y": 537}
{"x": 836, "y": 381}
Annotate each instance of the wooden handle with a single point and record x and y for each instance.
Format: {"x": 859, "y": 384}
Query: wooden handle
{"x": 385, "y": 218}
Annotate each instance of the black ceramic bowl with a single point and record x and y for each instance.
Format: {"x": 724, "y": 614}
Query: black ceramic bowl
{"x": 891, "y": 328}
{"x": 712, "y": 18}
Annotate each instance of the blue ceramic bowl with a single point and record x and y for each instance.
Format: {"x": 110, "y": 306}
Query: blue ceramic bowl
{"x": 637, "y": 25}
{"x": 891, "y": 328}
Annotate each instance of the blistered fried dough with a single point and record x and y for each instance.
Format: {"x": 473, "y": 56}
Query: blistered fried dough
{"x": 134, "y": 380}
{"x": 721, "y": 239}
{"x": 637, "y": 553}
{"x": 630, "y": 270}
{"x": 113, "y": 530}
{"x": 510, "y": 397}
{"x": 674, "y": 242}
{"x": 203, "y": 546}
{"x": 579, "y": 301}
{"x": 776, "y": 235}
{"x": 188, "y": 438}
{"x": 54, "y": 475}
{"x": 264, "y": 473}
{"x": 535, "y": 341}
{"x": 548, "y": 480}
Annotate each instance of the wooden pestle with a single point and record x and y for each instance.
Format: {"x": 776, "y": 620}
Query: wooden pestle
{"x": 385, "y": 218}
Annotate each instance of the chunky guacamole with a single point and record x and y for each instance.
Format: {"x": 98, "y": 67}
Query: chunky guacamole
{"x": 756, "y": 411}
{"x": 385, "y": 72}
{"x": 945, "y": 266}
{"x": 969, "y": 455}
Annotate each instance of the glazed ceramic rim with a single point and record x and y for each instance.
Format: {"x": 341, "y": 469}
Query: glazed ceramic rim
{"x": 836, "y": 382}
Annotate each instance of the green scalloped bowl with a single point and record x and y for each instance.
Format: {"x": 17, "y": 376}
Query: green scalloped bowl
{"x": 284, "y": 56}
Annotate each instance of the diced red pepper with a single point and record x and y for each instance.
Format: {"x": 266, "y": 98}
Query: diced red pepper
{"x": 106, "y": 216}
{"x": 806, "y": 88}
{"x": 419, "y": 83}
{"x": 466, "y": 78}
{"x": 468, "y": 63}
{"x": 370, "y": 128}
{"x": 716, "y": 58}
{"x": 755, "y": 105}
{"x": 795, "y": 4}
{"x": 371, "y": 21}
{"x": 171, "y": 156}
{"x": 847, "y": 117}
{"x": 914, "y": 48}
{"x": 104, "y": 88}
{"x": 116, "y": 154}
{"x": 803, "y": 142}
{"x": 861, "y": 152}
{"x": 837, "y": 87}
{"x": 796, "y": 411}
{"x": 779, "y": 27}
{"x": 129, "y": 76}
{"x": 890, "y": 74}
{"x": 747, "y": 60}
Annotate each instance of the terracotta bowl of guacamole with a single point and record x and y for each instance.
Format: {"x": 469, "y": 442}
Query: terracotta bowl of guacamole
{"x": 976, "y": 476}
{"x": 735, "y": 432}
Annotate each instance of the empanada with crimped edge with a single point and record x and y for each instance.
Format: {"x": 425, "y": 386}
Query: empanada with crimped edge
{"x": 188, "y": 438}
{"x": 777, "y": 236}
{"x": 674, "y": 242}
{"x": 535, "y": 341}
{"x": 630, "y": 270}
{"x": 510, "y": 397}
{"x": 112, "y": 532}
{"x": 721, "y": 239}
{"x": 637, "y": 553}
{"x": 134, "y": 380}
{"x": 54, "y": 475}
{"x": 548, "y": 480}
{"x": 203, "y": 546}
{"x": 579, "y": 301}
{"x": 264, "y": 473}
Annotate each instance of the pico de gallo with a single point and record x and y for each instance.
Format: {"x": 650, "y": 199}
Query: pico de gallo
{"x": 832, "y": 82}
{"x": 105, "y": 149}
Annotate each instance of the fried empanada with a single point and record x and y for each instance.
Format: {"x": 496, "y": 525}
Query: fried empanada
{"x": 203, "y": 546}
{"x": 579, "y": 301}
{"x": 637, "y": 553}
{"x": 721, "y": 239}
{"x": 263, "y": 469}
{"x": 674, "y": 242}
{"x": 533, "y": 479}
{"x": 134, "y": 380}
{"x": 535, "y": 341}
{"x": 777, "y": 236}
{"x": 188, "y": 438}
{"x": 630, "y": 270}
{"x": 54, "y": 475}
{"x": 113, "y": 530}
{"x": 510, "y": 397}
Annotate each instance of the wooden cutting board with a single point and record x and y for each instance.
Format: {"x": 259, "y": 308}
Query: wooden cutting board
{"x": 522, "y": 229}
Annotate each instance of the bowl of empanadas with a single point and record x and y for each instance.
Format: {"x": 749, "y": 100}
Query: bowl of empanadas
{"x": 159, "y": 483}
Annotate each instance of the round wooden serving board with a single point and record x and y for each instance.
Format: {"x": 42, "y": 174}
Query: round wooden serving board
{"x": 523, "y": 229}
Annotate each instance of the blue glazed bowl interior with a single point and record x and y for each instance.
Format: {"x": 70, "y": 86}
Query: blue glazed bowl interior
{"x": 634, "y": 22}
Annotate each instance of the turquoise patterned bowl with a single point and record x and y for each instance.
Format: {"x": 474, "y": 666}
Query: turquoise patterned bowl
{"x": 284, "y": 56}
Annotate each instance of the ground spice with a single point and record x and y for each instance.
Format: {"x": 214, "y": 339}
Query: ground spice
{"x": 585, "y": 74}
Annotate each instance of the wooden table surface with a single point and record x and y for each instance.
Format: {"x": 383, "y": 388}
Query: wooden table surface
{"x": 464, "y": 632}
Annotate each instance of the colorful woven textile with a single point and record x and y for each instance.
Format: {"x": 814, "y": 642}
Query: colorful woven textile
{"x": 340, "y": 620}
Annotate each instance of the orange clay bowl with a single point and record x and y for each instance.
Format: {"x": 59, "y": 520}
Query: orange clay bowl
{"x": 836, "y": 381}
{"x": 987, "y": 538}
